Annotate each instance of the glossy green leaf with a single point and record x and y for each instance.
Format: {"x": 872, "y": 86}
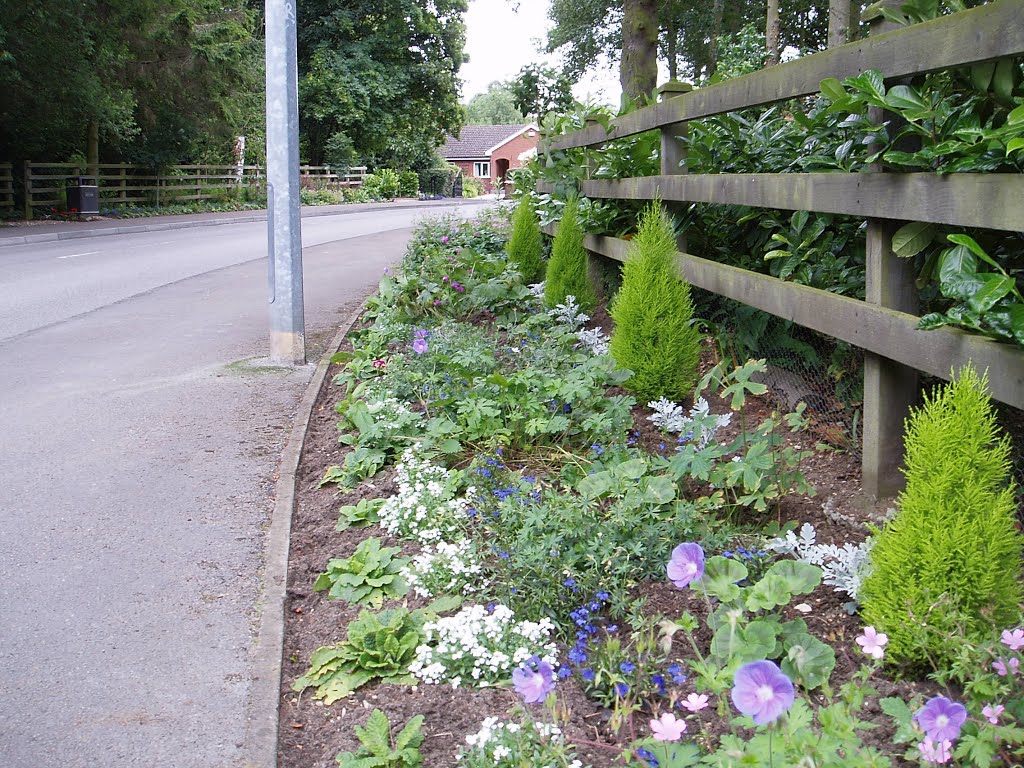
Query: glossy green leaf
{"x": 993, "y": 288}
{"x": 910, "y": 239}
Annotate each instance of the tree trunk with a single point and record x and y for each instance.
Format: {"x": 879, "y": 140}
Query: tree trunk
{"x": 839, "y": 22}
{"x": 718, "y": 14}
{"x": 92, "y": 148}
{"x": 672, "y": 35}
{"x": 638, "y": 69}
{"x": 771, "y": 34}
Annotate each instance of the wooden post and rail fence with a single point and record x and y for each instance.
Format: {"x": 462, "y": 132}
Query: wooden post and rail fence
{"x": 123, "y": 184}
{"x": 884, "y": 325}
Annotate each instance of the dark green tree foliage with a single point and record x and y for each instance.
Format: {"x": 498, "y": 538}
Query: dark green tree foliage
{"x": 495, "y": 107}
{"x": 525, "y": 244}
{"x": 653, "y": 335}
{"x": 567, "y": 273}
{"x": 538, "y": 90}
{"x": 378, "y": 79}
{"x": 164, "y": 80}
{"x": 948, "y": 564}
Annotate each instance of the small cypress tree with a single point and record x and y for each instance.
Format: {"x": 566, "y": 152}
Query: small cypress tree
{"x": 567, "y": 273}
{"x": 653, "y": 334}
{"x": 525, "y": 245}
{"x": 949, "y": 563}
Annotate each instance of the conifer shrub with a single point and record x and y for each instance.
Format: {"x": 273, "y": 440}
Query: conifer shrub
{"x": 525, "y": 245}
{"x": 653, "y": 335}
{"x": 948, "y": 565}
{"x": 567, "y": 273}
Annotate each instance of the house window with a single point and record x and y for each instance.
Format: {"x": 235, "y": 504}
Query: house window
{"x": 482, "y": 170}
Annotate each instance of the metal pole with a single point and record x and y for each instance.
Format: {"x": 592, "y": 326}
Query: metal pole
{"x": 284, "y": 234}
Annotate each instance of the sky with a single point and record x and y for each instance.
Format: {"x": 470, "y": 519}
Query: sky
{"x": 500, "y": 41}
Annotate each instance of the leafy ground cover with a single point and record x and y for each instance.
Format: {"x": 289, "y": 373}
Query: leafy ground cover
{"x": 508, "y": 561}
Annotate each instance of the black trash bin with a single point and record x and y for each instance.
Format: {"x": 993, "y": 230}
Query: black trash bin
{"x": 84, "y": 196}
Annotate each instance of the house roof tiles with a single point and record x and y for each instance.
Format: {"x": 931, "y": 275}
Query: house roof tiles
{"x": 478, "y": 141}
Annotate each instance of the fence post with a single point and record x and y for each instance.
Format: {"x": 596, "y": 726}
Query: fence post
{"x": 28, "y": 190}
{"x": 890, "y": 389}
{"x": 673, "y": 147}
{"x": 123, "y": 194}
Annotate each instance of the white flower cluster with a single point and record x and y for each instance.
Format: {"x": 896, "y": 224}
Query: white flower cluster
{"x": 479, "y": 647}
{"x": 568, "y": 313}
{"x": 594, "y": 339}
{"x": 842, "y": 567}
{"x": 424, "y": 508}
{"x": 503, "y": 745}
{"x": 701, "y": 422}
{"x": 445, "y": 568}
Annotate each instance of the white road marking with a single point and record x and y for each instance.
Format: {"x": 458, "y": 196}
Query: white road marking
{"x": 73, "y": 255}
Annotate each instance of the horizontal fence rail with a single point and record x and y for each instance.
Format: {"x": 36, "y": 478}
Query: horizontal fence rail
{"x": 990, "y": 32}
{"x": 6, "y": 185}
{"x": 885, "y": 324}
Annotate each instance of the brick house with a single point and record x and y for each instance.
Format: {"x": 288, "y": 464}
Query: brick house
{"x": 488, "y": 152}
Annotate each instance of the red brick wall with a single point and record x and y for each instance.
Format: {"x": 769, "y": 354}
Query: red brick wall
{"x": 511, "y": 152}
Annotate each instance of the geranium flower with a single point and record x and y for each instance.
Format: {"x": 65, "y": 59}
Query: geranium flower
{"x": 1004, "y": 668}
{"x": 992, "y": 712}
{"x": 761, "y": 690}
{"x": 695, "y": 702}
{"x": 941, "y": 719}
{"x": 667, "y": 728}
{"x": 1013, "y": 640}
{"x": 935, "y": 752}
{"x": 686, "y": 564}
{"x": 534, "y": 680}
{"x": 872, "y": 642}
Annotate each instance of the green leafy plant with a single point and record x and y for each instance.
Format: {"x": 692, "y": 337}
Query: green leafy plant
{"x": 384, "y": 184}
{"x": 525, "y": 244}
{"x": 948, "y": 565}
{"x": 378, "y": 749}
{"x": 369, "y": 577}
{"x": 408, "y": 184}
{"x": 359, "y": 515}
{"x": 378, "y": 646}
{"x": 568, "y": 267}
{"x": 654, "y": 335}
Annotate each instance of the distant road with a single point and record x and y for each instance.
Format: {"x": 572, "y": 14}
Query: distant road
{"x": 138, "y": 452}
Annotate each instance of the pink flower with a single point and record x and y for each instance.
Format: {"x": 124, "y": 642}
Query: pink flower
{"x": 1003, "y": 668}
{"x": 1013, "y": 640}
{"x": 667, "y": 728}
{"x": 872, "y": 642}
{"x": 992, "y": 712}
{"x": 695, "y": 702}
{"x": 380, "y": 363}
{"x": 932, "y": 752}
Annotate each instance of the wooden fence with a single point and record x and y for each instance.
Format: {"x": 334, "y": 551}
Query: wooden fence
{"x": 885, "y": 324}
{"x": 6, "y": 186}
{"x": 125, "y": 184}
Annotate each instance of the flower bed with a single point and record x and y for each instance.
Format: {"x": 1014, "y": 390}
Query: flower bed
{"x": 612, "y": 584}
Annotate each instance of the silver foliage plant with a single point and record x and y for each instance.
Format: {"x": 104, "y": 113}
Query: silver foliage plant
{"x": 569, "y": 313}
{"x": 700, "y": 422}
{"x": 842, "y": 567}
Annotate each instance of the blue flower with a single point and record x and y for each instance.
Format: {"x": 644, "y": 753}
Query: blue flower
{"x": 587, "y": 674}
{"x": 569, "y": 582}
{"x": 602, "y": 596}
{"x": 621, "y": 689}
{"x": 648, "y": 757}
{"x": 677, "y": 674}
{"x": 611, "y": 629}
{"x": 576, "y": 656}
{"x": 659, "y": 681}
{"x": 564, "y": 672}
{"x": 627, "y": 667}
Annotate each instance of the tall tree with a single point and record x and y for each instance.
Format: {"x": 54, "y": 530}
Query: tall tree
{"x": 638, "y": 64}
{"x": 378, "y": 79}
{"x": 495, "y": 107}
{"x": 771, "y": 33}
{"x": 538, "y": 89}
{"x": 153, "y": 80}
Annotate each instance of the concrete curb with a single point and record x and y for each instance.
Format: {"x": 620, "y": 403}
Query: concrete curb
{"x": 260, "y": 216}
{"x": 263, "y": 710}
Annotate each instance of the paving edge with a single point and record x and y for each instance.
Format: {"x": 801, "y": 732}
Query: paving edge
{"x": 263, "y": 708}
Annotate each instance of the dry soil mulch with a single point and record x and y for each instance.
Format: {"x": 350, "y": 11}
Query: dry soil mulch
{"x": 311, "y": 734}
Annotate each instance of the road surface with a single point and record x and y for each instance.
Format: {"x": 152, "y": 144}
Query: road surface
{"x": 140, "y": 437}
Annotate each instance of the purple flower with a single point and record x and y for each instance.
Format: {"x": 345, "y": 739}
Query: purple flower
{"x": 534, "y": 680}
{"x": 941, "y": 719}
{"x": 761, "y": 690}
{"x": 686, "y": 564}
{"x": 1003, "y": 668}
{"x": 935, "y": 752}
{"x": 419, "y": 346}
{"x": 992, "y": 712}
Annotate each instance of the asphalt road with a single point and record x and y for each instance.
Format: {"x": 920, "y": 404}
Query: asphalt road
{"x": 140, "y": 438}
